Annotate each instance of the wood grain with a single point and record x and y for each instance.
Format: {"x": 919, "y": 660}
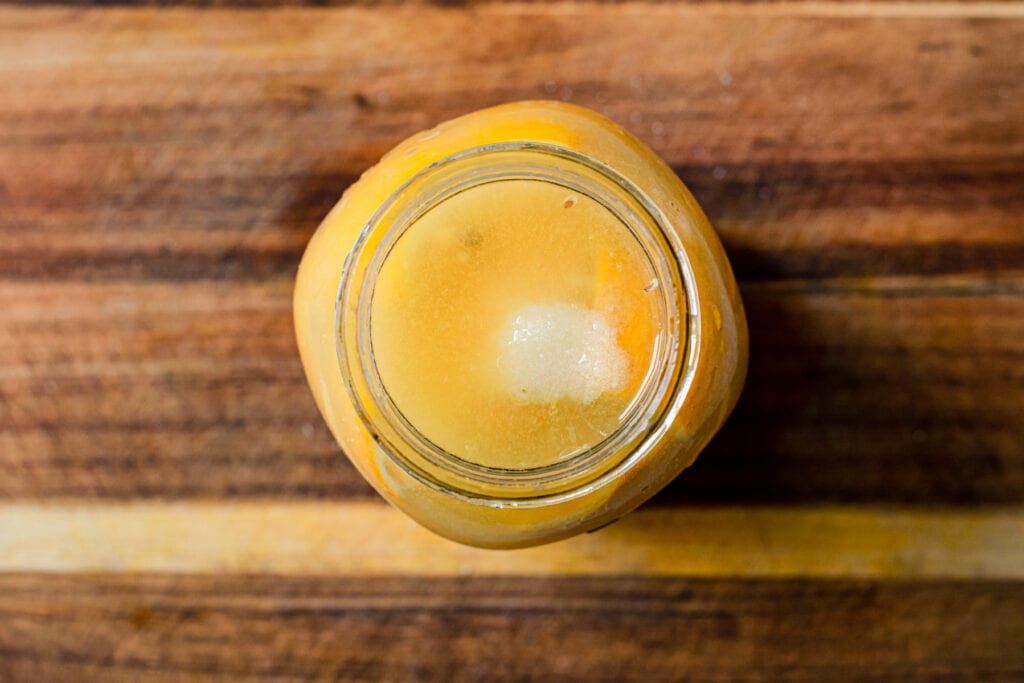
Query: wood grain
{"x": 152, "y": 148}
{"x": 162, "y": 171}
{"x": 780, "y": 221}
{"x": 859, "y": 519}
{"x": 206, "y": 628}
{"x": 372, "y": 539}
{"x": 827, "y": 8}
{"x": 195, "y": 390}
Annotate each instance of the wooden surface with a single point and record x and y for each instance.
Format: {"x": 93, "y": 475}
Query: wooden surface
{"x": 170, "y": 627}
{"x": 172, "y": 507}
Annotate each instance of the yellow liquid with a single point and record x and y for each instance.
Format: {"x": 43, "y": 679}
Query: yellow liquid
{"x": 514, "y": 323}
{"x": 445, "y": 305}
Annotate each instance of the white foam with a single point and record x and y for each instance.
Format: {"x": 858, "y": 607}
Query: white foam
{"x": 555, "y": 351}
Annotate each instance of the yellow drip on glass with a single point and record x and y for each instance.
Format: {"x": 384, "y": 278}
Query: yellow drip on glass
{"x": 514, "y": 323}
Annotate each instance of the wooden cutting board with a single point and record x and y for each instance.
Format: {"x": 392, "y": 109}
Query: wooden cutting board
{"x": 172, "y": 507}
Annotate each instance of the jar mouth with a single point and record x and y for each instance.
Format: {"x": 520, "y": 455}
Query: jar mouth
{"x": 651, "y": 408}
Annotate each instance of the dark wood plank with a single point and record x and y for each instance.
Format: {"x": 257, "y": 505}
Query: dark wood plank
{"x": 779, "y": 221}
{"x": 168, "y": 391}
{"x": 152, "y": 151}
{"x": 856, "y": 396}
{"x": 122, "y": 391}
{"x": 159, "y": 627}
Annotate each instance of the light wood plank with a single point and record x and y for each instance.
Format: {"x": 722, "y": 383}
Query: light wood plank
{"x": 371, "y": 539}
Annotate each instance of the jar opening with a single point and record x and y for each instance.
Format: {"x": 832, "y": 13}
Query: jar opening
{"x": 513, "y": 324}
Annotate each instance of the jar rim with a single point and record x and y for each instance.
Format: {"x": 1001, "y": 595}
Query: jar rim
{"x": 653, "y": 408}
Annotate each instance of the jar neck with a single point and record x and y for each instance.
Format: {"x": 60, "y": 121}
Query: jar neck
{"x": 652, "y": 406}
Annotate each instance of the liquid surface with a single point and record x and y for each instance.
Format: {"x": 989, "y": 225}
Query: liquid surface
{"x": 514, "y": 323}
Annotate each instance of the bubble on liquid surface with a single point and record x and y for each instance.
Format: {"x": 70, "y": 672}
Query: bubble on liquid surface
{"x": 560, "y": 351}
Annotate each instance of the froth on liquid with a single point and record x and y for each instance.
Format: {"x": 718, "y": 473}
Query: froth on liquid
{"x": 513, "y": 324}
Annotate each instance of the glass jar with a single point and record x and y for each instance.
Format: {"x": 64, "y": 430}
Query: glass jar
{"x": 519, "y": 325}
